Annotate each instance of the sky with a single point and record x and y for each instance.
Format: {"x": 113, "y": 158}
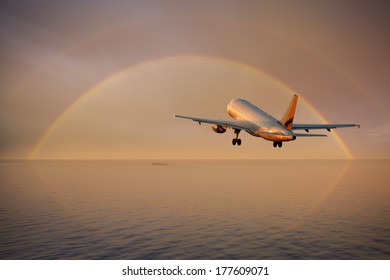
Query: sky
{"x": 102, "y": 79}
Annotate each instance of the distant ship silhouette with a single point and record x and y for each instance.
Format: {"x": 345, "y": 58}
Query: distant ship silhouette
{"x": 160, "y": 163}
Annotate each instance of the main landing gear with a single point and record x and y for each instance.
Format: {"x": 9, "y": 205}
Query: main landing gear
{"x": 277, "y": 144}
{"x": 236, "y": 140}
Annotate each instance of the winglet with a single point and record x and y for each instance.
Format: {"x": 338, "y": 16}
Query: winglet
{"x": 288, "y": 117}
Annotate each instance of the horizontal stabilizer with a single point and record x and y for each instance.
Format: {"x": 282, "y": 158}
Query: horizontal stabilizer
{"x": 310, "y": 135}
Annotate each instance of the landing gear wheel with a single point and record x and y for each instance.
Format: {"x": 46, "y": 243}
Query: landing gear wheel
{"x": 277, "y": 144}
{"x": 236, "y": 140}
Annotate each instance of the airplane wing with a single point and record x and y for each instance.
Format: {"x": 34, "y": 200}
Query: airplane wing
{"x": 235, "y": 124}
{"x": 328, "y": 127}
{"x": 309, "y": 135}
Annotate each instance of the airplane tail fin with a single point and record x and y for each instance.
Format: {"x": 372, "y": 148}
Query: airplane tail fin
{"x": 288, "y": 117}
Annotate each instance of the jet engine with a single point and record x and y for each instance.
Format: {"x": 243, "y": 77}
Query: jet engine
{"x": 218, "y": 128}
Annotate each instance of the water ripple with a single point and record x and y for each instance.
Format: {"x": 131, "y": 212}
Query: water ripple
{"x": 133, "y": 210}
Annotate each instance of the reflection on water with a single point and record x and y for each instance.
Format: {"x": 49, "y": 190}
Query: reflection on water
{"x": 195, "y": 210}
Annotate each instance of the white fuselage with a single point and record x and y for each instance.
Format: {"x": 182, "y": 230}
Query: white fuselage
{"x": 261, "y": 123}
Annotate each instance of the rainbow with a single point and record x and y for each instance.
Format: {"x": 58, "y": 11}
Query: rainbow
{"x": 92, "y": 90}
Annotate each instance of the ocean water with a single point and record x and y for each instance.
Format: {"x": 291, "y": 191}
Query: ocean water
{"x": 254, "y": 209}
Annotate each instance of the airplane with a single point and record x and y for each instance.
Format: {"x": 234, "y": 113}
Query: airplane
{"x": 259, "y": 123}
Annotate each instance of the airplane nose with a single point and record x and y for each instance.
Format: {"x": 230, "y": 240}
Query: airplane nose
{"x": 294, "y": 137}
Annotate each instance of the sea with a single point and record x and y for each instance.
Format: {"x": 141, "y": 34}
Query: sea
{"x": 195, "y": 209}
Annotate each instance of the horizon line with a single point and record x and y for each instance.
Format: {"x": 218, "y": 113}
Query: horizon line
{"x": 172, "y": 159}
